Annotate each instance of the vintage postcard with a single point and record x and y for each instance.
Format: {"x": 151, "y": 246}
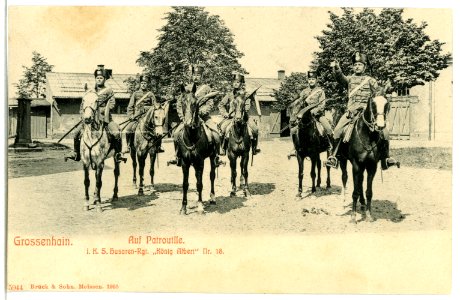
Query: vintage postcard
{"x": 229, "y": 149}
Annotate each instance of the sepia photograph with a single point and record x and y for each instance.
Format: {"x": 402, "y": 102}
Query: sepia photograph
{"x": 229, "y": 149}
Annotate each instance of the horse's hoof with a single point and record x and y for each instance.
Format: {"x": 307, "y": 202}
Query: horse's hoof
{"x": 247, "y": 193}
{"x": 140, "y": 192}
{"x": 98, "y": 208}
{"x": 183, "y": 212}
{"x": 114, "y": 198}
{"x": 212, "y": 202}
{"x": 232, "y": 194}
{"x": 85, "y": 207}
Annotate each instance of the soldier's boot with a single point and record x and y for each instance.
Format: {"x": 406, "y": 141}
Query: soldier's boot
{"x": 75, "y": 155}
{"x": 160, "y": 148}
{"x": 388, "y": 161}
{"x": 332, "y": 159}
{"x": 177, "y": 161}
{"x": 255, "y": 149}
{"x": 292, "y": 153}
{"x": 118, "y": 153}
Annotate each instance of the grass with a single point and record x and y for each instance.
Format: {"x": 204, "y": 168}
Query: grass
{"x": 421, "y": 157}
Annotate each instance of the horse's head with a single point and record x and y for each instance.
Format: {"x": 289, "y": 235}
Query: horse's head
{"x": 156, "y": 117}
{"x": 90, "y": 107}
{"x": 376, "y": 112}
{"x": 240, "y": 112}
{"x": 190, "y": 105}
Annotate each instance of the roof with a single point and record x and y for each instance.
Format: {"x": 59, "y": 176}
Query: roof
{"x": 266, "y": 90}
{"x": 13, "y": 102}
{"x": 72, "y": 85}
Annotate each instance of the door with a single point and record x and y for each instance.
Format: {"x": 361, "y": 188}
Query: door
{"x": 38, "y": 123}
{"x": 399, "y": 119}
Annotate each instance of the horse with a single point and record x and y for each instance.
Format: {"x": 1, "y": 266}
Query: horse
{"x": 309, "y": 143}
{"x": 194, "y": 148}
{"x": 364, "y": 150}
{"x": 145, "y": 142}
{"x": 239, "y": 144}
{"x": 95, "y": 149}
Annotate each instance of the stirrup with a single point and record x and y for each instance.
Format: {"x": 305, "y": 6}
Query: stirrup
{"x": 219, "y": 162}
{"x": 390, "y": 162}
{"x": 256, "y": 151}
{"x": 176, "y": 162}
{"x": 119, "y": 158}
{"x": 73, "y": 156}
{"x": 293, "y": 153}
{"x": 332, "y": 162}
{"x": 160, "y": 150}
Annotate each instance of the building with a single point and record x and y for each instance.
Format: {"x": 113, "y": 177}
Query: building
{"x": 65, "y": 92}
{"x": 40, "y": 118}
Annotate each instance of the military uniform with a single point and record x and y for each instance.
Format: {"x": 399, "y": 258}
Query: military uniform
{"x": 136, "y": 109}
{"x": 106, "y": 104}
{"x": 311, "y": 95}
{"x": 228, "y": 106}
{"x": 210, "y": 127}
{"x": 360, "y": 88}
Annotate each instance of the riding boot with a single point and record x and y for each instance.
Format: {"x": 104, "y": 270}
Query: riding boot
{"x": 117, "y": 148}
{"x": 177, "y": 161}
{"x": 224, "y": 146}
{"x": 160, "y": 149}
{"x": 255, "y": 150}
{"x": 75, "y": 155}
{"x": 332, "y": 159}
{"x": 388, "y": 161}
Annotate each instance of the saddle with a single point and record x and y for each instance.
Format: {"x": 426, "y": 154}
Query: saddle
{"x": 348, "y": 130}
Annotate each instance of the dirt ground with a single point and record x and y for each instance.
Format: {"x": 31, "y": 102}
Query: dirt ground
{"x": 406, "y": 199}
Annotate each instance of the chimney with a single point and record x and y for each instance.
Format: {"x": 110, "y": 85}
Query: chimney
{"x": 281, "y": 74}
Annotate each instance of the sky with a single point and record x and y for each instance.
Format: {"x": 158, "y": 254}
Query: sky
{"x": 76, "y": 39}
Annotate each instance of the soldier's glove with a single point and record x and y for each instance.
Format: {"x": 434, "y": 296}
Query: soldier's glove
{"x": 349, "y": 114}
{"x": 226, "y": 116}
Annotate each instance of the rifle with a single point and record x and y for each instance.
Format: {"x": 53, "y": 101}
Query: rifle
{"x": 99, "y": 103}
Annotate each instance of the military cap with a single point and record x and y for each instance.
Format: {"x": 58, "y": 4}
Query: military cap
{"x": 360, "y": 57}
{"x": 238, "y": 76}
{"x": 144, "y": 77}
{"x": 106, "y": 73}
{"x": 312, "y": 74}
{"x": 197, "y": 69}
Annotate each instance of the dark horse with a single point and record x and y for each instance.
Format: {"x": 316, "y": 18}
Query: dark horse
{"x": 194, "y": 148}
{"x": 146, "y": 141}
{"x": 95, "y": 149}
{"x": 364, "y": 150}
{"x": 239, "y": 144}
{"x": 309, "y": 142}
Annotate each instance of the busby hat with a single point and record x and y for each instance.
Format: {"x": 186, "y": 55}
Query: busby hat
{"x": 238, "y": 76}
{"x": 101, "y": 71}
{"x": 197, "y": 69}
{"x": 312, "y": 74}
{"x": 360, "y": 57}
{"x": 144, "y": 77}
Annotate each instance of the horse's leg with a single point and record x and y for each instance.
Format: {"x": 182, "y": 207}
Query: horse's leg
{"x": 185, "y": 172}
{"x": 132, "y": 152}
{"x": 199, "y": 184}
{"x": 318, "y": 166}
{"x": 86, "y": 182}
{"x": 212, "y": 177}
{"x": 300, "y": 163}
{"x": 371, "y": 170}
{"x": 232, "y": 159}
{"x": 328, "y": 170}
{"x": 116, "y": 173}
{"x": 97, "y": 192}
{"x": 313, "y": 173}
{"x": 358, "y": 172}
{"x": 153, "y": 156}
{"x": 245, "y": 173}
{"x": 343, "y": 167}
{"x": 141, "y": 158}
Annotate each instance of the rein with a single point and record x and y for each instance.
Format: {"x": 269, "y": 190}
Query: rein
{"x": 371, "y": 127}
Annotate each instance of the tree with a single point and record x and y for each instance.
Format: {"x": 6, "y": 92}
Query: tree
{"x": 290, "y": 90}
{"x": 33, "y": 80}
{"x": 400, "y": 52}
{"x": 191, "y": 36}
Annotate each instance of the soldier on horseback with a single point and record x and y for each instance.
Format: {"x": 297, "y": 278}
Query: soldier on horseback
{"x": 210, "y": 127}
{"x": 227, "y": 108}
{"x": 360, "y": 88}
{"x": 140, "y": 102}
{"x": 106, "y": 103}
{"x": 312, "y": 96}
